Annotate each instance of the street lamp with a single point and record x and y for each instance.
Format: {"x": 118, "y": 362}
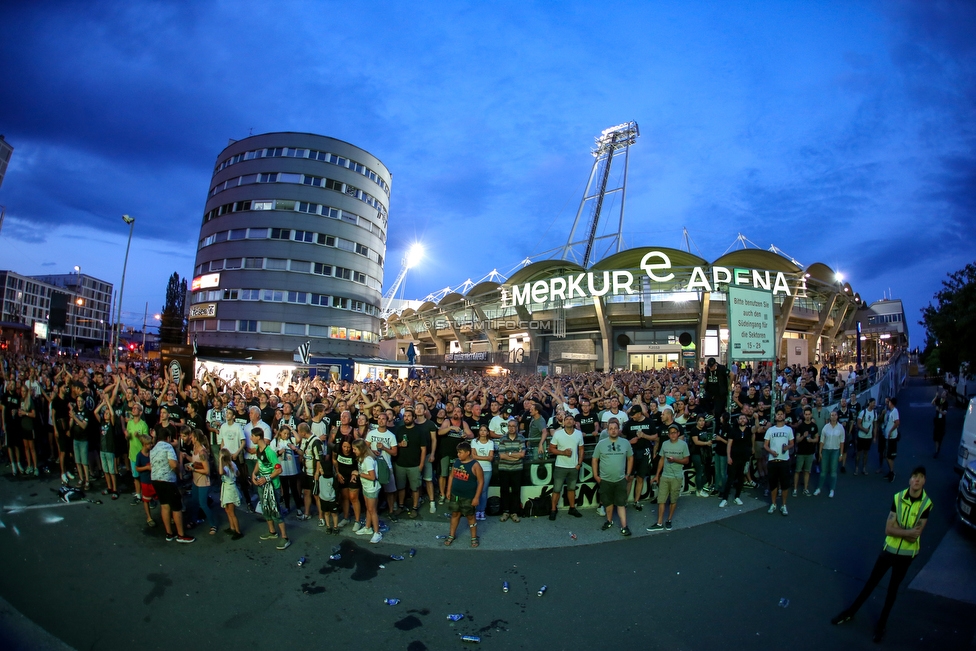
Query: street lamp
{"x": 131, "y": 221}
{"x": 156, "y": 317}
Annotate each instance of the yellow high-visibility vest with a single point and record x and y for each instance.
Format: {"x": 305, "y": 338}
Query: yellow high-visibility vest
{"x": 907, "y": 514}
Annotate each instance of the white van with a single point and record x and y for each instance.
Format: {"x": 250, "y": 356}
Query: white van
{"x": 967, "y": 445}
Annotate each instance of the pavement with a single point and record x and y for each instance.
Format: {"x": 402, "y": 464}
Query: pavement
{"x": 91, "y": 576}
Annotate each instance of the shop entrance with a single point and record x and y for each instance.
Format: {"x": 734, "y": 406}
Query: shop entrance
{"x": 653, "y": 357}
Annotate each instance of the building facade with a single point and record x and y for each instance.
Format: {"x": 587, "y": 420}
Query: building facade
{"x": 291, "y": 249}
{"x": 27, "y": 300}
{"x": 641, "y": 309}
{"x": 5, "y": 152}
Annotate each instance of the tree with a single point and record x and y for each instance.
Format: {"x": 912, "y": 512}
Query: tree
{"x": 951, "y": 322}
{"x": 172, "y": 328}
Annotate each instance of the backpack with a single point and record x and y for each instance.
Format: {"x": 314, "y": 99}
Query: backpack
{"x": 382, "y": 471}
{"x": 493, "y": 506}
{"x": 537, "y": 506}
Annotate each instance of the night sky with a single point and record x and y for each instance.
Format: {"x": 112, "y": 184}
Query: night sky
{"x": 841, "y": 132}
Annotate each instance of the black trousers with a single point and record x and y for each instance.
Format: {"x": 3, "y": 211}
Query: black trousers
{"x": 899, "y": 568}
{"x": 736, "y": 476}
{"x": 510, "y": 483}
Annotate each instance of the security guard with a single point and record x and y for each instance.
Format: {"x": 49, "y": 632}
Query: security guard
{"x": 906, "y": 520}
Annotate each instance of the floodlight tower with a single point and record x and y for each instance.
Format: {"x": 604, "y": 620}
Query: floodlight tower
{"x": 611, "y": 142}
{"x": 413, "y": 256}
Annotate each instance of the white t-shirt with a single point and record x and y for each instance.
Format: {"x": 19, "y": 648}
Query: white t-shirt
{"x": 832, "y": 436}
{"x": 386, "y": 438}
{"x": 564, "y": 440}
{"x": 621, "y": 417}
{"x": 483, "y": 450}
{"x": 890, "y": 419}
{"x": 230, "y": 437}
{"x": 498, "y": 425}
{"x": 778, "y": 437}
{"x": 368, "y": 465}
{"x": 867, "y": 422}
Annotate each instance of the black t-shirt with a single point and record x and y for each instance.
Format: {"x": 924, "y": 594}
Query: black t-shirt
{"x": 344, "y": 467}
{"x": 587, "y": 422}
{"x": 475, "y": 425}
{"x": 409, "y": 455}
{"x": 741, "y": 442}
{"x": 447, "y": 444}
{"x": 430, "y": 428}
{"x": 703, "y": 435}
{"x": 632, "y": 428}
{"x": 60, "y": 408}
{"x": 806, "y": 446}
{"x": 717, "y": 381}
{"x": 11, "y": 402}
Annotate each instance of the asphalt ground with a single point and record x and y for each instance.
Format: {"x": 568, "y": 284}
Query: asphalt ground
{"x": 97, "y": 579}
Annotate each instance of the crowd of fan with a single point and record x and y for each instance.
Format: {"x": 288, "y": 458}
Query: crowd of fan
{"x": 340, "y": 451}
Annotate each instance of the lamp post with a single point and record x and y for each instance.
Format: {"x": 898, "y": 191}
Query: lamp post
{"x": 145, "y": 318}
{"x": 131, "y": 221}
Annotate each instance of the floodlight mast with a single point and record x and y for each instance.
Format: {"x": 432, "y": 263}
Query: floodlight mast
{"x": 609, "y": 143}
{"x": 410, "y": 259}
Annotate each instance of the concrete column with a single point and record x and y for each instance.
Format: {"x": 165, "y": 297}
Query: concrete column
{"x": 601, "y": 318}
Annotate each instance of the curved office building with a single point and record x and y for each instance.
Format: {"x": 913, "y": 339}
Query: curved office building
{"x": 291, "y": 249}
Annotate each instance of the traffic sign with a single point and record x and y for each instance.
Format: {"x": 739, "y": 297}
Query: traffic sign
{"x": 752, "y": 328}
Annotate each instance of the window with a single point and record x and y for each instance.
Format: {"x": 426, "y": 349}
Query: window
{"x": 237, "y": 234}
{"x": 345, "y": 245}
{"x": 281, "y": 233}
{"x": 271, "y": 327}
{"x": 318, "y": 331}
{"x": 210, "y": 324}
{"x": 232, "y": 263}
{"x": 338, "y": 160}
{"x": 303, "y": 266}
{"x": 362, "y": 250}
{"x": 257, "y": 233}
{"x": 320, "y": 299}
{"x": 322, "y": 269}
{"x": 268, "y": 178}
{"x": 341, "y": 303}
{"x": 275, "y": 296}
{"x": 336, "y": 332}
{"x": 352, "y": 218}
{"x": 308, "y": 207}
{"x": 281, "y": 204}
{"x": 247, "y": 326}
{"x": 304, "y": 236}
{"x": 230, "y": 294}
{"x": 250, "y": 294}
{"x": 253, "y": 263}
{"x": 216, "y": 265}
{"x": 330, "y": 212}
{"x": 342, "y": 272}
{"x": 242, "y": 205}
{"x": 294, "y": 328}
{"x": 329, "y": 240}
{"x": 355, "y": 335}
{"x": 277, "y": 264}
{"x": 297, "y": 297}
{"x": 332, "y": 184}
{"x": 359, "y": 277}
{"x": 287, "y": 177}
{"x": 312, "y": 180}
{"x": 249, "y": 178}
{"x": 262, "y": 205}
{"x": 226, "y": 325}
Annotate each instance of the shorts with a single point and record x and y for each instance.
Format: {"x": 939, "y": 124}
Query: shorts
{"x": 406, "y": 476}
{"x": 804, "y": 462}
{"x": 891, "y": 449}
{"x": 669, "y": 487}
{"x": 391, "y": 486}
{"x": 863, "y": 445}
{"x": 758, "y": 450}
{"x": 132, "y": 469}
{"x": 307, "y": 482}
{"x": 778, "y": 473}
{"x": 330, "y": 506}
{"x": 642, "y": 465}
{"x": 372, "y": 494}
{"x": 148, "y": 492}
{"x": 446, "y": 466}
{"x": 461, "y": 505}
{"x": 168, "y": 494}
{"x": 564, "y": 477}
{"x": 108, "y": 462}
{"x": 428, "y": 471}
{"x": 613, "y": 493}
{"x": 81, "y": 452}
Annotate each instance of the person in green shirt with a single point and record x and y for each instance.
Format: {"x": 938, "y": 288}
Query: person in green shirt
{"x": 674, "y": 457}
{"x": 265, "y": 476}
{"x": 135, "y": 429}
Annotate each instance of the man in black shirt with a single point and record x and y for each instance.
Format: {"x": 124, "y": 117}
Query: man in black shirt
{"x": 409, "y": 461}
{"x": 589, "y": 422}
{"x": 716, "y": 386}
{"x": 643, "y": 436}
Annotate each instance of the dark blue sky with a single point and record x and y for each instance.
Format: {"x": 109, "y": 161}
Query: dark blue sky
{"x": 840, "y": 132}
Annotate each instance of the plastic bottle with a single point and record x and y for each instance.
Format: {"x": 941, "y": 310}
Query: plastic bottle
{"x": 391, "y": 602}
{"x": 542, "y": 590}
{"x": 413, "y": 552}
{"x": 301, "y": 561}
{"x": 471, "y": 638}
{"x": 335, "y": 557}
{"x": 456, "y": 617}
{"x": 505, "y": 586}
{"x": 395, "y": 557}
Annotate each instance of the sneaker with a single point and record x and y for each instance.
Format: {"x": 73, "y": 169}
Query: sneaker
{"x": 576, "y": 514}
{"x": 606, "y": 525}
{"x": 667, "y": 525}
{"x": 412, "y": 513}
{"x": 64, "y": 478}
{"x": 637, "y": 506}
{"x": 855, "y": 472}
{"x": 343, "y": 522}
{"x": 170, "y": 537}
{"x": 441, "y": 499}
{"x": 71, "y": 475}
{"x": 738, "y": 501}
{"x": 365, "y": 531}
{"x": 830, "y": 494}
{"x": 552, "y": 515}
{"x": 237, "y": 536}
{"x": 843, "y": 470}
{"x": 841, "y": 618}
{"x": 270, "y": 536}
{"x": 303, "y": 517}
{"x": 284, "y": 544}
{"x": 794, "y": 492}
{"x": 816, "y": 492}
{"x": 186, "y": 540}
{"x": 376, "y": 538}
{"x": 625, "y": 531}
{"x": 806, "y": 493}
{"x": 433, "y": 506}
{"x": 772, "y": 508}
{"x": 783, "y": 510}
{"x": 356, "y": 527}
{"x": 601, "y": 510}
{"x": 322, "y": 523}
{"x": 723, "y": 504}
{"x": 656, "y": 527}
{"x": 703, "y": 493}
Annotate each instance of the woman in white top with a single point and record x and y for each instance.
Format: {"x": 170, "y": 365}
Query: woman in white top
{"x": 483, "y": 451}
{"x": 284, "y": 446}
{"x": 831, "y": 441}
{"x": 369, "y": 480}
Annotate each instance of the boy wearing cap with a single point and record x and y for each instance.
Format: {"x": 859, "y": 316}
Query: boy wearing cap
{"x": 670, "y": 475}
